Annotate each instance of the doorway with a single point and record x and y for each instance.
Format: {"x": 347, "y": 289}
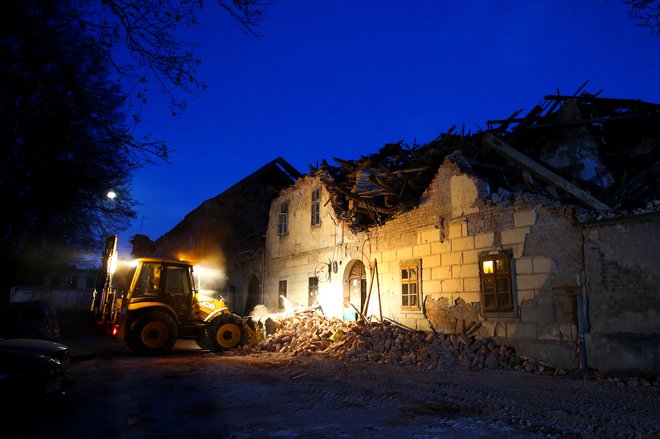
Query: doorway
{"x": 357, "y": 286}
{"x": 253, "y": 294}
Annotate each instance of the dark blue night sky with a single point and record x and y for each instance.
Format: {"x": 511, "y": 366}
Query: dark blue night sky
{"x": 339, "y": 78}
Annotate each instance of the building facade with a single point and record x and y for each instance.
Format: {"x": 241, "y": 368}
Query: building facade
{"x": 523, "y": 271}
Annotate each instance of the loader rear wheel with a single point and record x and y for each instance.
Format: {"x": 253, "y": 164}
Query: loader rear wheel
{"x": 153, "y": 333}
{"x": 227, "y": 331}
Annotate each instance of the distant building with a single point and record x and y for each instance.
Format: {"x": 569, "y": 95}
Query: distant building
{"x": 225, "y": 236}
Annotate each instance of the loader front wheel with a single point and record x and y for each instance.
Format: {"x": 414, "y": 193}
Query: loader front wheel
{"x": 153, "y": 333}
{"x": 227, "y": 331}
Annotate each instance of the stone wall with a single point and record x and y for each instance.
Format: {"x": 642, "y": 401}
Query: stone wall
{"x": 455, "y": 222}
{"x": 622, "y": 284}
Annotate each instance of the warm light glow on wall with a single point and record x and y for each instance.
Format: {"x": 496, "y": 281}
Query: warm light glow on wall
{"x": 208, "y": 279}
{"x": 330, "y": 299}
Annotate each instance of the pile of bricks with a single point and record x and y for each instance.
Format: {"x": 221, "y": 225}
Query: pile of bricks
{"x": 309, "y": 333}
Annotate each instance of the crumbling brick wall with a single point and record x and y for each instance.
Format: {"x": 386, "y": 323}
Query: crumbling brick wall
{"x": 455, "y": 223}
{"x": 621, "y": 282}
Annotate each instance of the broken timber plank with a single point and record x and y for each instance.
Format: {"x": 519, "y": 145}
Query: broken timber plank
{"x": 513, "y": 154}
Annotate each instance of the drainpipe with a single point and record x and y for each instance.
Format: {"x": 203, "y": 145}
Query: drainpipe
{"x": 263, "y": 273}
{"x": 582, "y": 310}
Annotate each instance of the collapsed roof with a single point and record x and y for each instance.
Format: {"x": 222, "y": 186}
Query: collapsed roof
{"x": 593, "y": 153}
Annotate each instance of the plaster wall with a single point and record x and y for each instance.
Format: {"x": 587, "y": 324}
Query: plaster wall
{"x": 306, "y": 251}
{"x": 622, "y": 278}
{"x": 446, "y": 233}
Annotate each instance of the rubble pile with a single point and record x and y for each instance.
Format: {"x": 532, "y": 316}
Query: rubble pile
{"x": 310, "y": 333}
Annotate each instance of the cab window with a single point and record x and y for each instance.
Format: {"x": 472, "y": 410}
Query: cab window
{"x": 148, "y": 284}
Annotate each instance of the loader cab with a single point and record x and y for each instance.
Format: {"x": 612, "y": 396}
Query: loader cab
{"x": 165, "y": 281}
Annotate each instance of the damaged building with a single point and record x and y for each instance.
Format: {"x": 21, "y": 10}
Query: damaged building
{"x": 539, "y": 232}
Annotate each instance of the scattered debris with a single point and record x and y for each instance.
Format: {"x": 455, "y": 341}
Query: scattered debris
{"x": 308, "y": 332}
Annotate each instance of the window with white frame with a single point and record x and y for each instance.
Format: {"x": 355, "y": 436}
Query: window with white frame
{"x": 410, "y": 284}
{"x": 316, "y": 207}
{"x": 283, "y": 219}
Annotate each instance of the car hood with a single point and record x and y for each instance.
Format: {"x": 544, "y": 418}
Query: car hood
{"x": 44, "y": 347}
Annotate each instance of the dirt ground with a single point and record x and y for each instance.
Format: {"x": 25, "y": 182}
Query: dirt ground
{"x": 193, "y": 393}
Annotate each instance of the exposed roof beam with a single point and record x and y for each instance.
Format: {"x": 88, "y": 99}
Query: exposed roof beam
{"x": 542, "y": 172}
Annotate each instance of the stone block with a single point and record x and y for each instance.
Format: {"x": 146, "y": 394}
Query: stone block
{"x": 443, "y": 272}
{"x": 514, "y": 236}
{"x": 431, "y": 287}
{"x": 440, "y": 247}
{"x": 404, "y": 253}
{"x": 453, "y": 258}
{"x": 460, "y": 244}
{"x": 524, "y": 266}
{"x": 526, "y": 217}
{"x": 452, "y": 286}
{"x": 421, "y": 250}
{"x": 428, "y": 235}
{"x": 457, "y": 228}
{"x": 471, "y": 257}
{"x": 389, "y": 256}
{"x": 472, "y": 284}
{"x": 484, "y": 241}
{"x": 465, "y": 270}
{"x": 431, "y": 261}
{"x": 518, "y": 250}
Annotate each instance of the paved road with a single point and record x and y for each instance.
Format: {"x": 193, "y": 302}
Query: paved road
{"x": 196, "y": 394}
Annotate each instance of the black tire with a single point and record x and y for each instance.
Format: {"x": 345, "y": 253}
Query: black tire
{"x": 204, "y": 342}
{"x": 153, "y": 333}
{"x": 227, "y": 331}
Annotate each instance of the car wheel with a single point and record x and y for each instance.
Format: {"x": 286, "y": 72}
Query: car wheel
{"x": 153, "y": 333}
{"x": 227, "y": 331}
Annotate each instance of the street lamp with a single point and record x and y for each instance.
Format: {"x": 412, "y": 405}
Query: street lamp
{"x": 112, "y": 195}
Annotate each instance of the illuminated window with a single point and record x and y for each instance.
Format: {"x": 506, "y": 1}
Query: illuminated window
{"x": 283, "y": 220}
{"x": 410, "y": 281}
{"x": 313, "y": 290}
{"x": 496, "y": 291}
{"x": 282, "y": 294}
{"x": 316, "y": 207}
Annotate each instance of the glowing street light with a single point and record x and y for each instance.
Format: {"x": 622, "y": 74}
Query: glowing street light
{"x": 112, "y": 195}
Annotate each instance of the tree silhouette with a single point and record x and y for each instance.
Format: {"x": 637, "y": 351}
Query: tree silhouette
{"x": 646, "y": 13}
{"x": 66, "y": 125}
{"x": 147, "y": 30}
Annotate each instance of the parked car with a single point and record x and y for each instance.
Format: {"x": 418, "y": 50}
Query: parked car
{"x": 32, "y": 319}
{"x": 31, "y": 368}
